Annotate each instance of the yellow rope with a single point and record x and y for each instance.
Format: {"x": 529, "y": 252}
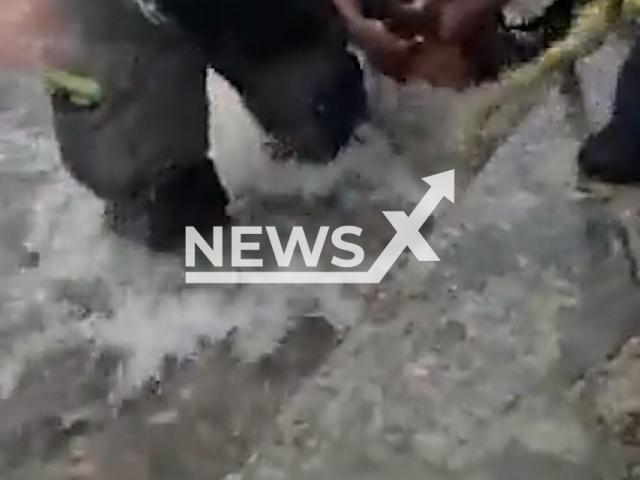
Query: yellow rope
{"x": 593, "y": 23}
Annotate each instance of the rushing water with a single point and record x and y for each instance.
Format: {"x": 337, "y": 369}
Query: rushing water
{"x": 86, "y": 317}
{"x": 66, "y": 282}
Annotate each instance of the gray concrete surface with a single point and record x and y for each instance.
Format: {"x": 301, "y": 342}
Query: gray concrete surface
{"x": 469, "y": 367}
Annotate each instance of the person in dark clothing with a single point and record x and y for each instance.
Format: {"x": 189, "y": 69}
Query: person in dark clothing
{"x": 613, "y": 154}
{"x": 447, "y": 43}
{"x": 143, "y": 149}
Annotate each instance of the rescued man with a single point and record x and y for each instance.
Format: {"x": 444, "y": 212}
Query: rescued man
{"x": 611, "y": 155}
{"x": 144, "y": 148}
{"x": 449, "y": 43}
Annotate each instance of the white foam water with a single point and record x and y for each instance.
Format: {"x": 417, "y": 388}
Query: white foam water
{"x": 65, "y": 281}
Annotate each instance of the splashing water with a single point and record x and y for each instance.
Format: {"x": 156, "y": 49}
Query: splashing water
{"x": 65, "y": 281}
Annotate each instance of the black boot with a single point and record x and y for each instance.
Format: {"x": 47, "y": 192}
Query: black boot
{"x": 182, "y": 197}
{"x": 613, "y": 155}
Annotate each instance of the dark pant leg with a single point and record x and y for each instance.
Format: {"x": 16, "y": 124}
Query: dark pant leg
{"x": 144, "y": 148}
{"x": 614, "y": 153}
{"x": 627, "y": 102}
{"x": 288, "y": 59}
{"x": 310, "y": 99}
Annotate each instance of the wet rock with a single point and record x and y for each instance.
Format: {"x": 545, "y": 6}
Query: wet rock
{"x": 613, "y": 394}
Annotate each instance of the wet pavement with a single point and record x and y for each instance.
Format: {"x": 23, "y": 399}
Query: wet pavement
{"x": 474, "y": 368}
{"x": 471, "y": 368}
{"x": 475, "y": 376}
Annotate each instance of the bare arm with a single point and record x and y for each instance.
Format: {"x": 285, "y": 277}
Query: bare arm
{"x": 369, "y": 33}
{"x": 350, "y": 11}
{"x": 460, "y": 18}
{"x": 385, "y": 50}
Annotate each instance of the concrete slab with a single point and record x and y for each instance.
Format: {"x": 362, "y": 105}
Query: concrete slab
{"x": 467, "y": 368}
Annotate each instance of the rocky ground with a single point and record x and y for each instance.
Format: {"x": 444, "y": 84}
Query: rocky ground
{"x": 514, "y": 357}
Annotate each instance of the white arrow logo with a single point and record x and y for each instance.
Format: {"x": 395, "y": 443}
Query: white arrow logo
{"x": 407, "y": 236}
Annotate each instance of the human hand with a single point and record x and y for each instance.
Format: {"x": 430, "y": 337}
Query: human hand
{"x": 386, "y": 51}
